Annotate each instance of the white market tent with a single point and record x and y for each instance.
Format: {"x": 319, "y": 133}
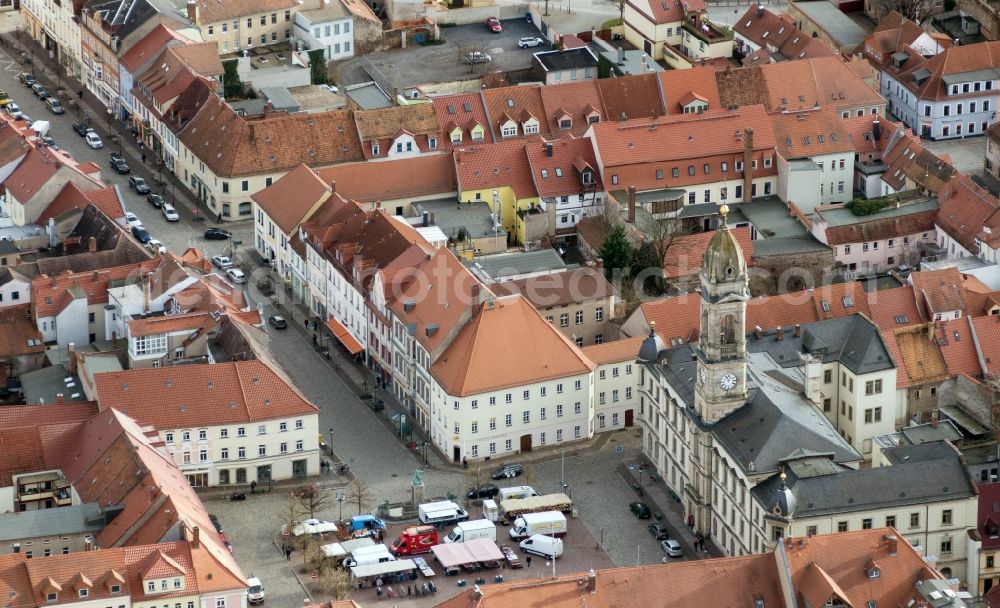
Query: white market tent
{"x": 383, "y": 568}
{"x": 456, "y": 554}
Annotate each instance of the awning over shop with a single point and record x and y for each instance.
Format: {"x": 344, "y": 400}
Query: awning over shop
{"x": 345, "y": 337}
{"x": 456, "y": 554}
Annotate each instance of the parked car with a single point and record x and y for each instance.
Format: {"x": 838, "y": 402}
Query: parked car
{"x": 48, "y": 141}
{"x": 672, "y": 548}
{"x": 119, "y": 165}
{"x": 55, "y": 106}
{"x": 217, "y": 234}
{"x": 26, "y": 78}
{"x": 81, "y": 128}
{"x": 493, "y": 25}
{"x": 640, "y": 510}
{"x": 132, "y": 219}
{"x": 215, "y": 522}
{"x": 236, "y": 275}
{"x": 658, "y": 531}
{"x": 478, "y": 57}
{"x": 487, "y": 491}
{"x": 141, "y": 234}
{"x": 530, "y": 42}
{"x": 4, "y": 98}
{"x": 138, "y": 184}
{"x": 222, "y": 262}
{"x": 155, "y": 200}
{"x": 93, "y": 140}
{"x": 170, "y": 213}
{"x": 12, "y": 108}
{"x": 277, "y": 322}
{"x": 507, "y": 471}
{"x": 39, "y": 90}
{"x": 156, "y": 246}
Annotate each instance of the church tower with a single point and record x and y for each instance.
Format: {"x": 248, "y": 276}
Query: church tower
{"x": 722, "y": 355}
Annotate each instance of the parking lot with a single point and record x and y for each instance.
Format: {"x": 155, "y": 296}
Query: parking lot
{"x": 445, "y": 62}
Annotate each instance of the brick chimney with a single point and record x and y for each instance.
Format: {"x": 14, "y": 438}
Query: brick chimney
{"x": 193, "y": 11}
{"x": 758, "y": 332}
{"x": 71, "y": 357}
{"x": 476, "y": 292}
{"x": 892, "y": 543}
{"x": 631, "y": 204}
{"x": 333, "y": 187}
{"x": 591, "y": 581}
{"x": 781, "y": 333}
{"x": 92, "y": 245}
{"x": 195, "y": 537}
{"x": 747, "y": 165}
{"x": 60, "y": 398}
{"x": 798, "y": 330}
{"x": 934, "y": 418}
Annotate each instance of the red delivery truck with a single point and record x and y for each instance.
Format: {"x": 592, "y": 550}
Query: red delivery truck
{"x": 415, "y": 539}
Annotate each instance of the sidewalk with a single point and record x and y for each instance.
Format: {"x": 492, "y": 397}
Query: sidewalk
{"x": 91, "y": 110}
{"x": 657, "y": 497}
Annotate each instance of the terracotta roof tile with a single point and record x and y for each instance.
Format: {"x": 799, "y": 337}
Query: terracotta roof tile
{"x": 496, "y": 165}
{"x": 214, "y": 11}
{"x": 518, "y": 102}
{"x": 491, "y": 351}
{"x": 677, "y": 84}
{"x": 891, "y": 344}
{"x": 769, "y": 30}
{"x": 631, "y": 97}
{"x": 46, "y": 290}
{"x": 743, "y": 87}
{"x": 149, "y": 47}
{"x": 955, "y": 339}
{"x": 16, "y": 330}
{"x": 465, "y": 111}
{"x": 569, "y": 157}
{"x": 894, "y": 308}
{"x": 577, "y": 100}
{"x": 965, "y": 209}
{"x": 406, "y": 178}
{"x": 938, "y": 291}
{"x": 878, "y": 229}
{"x": 232, "y": 145}
{"x": 626, "y": 349}
{"x": 667, "y": 11}
{"x": 202, "y": 57}
{"x": 809, "y": 133}
{"x": 293, "y": 198}
{"x": 952, "y": 60}
{"x": 921, "y": 355}
{"x": 31, "y": 174}
{"x": 436, "y": 309}
{"x": 988, "y": 336}
{"x": 203, "y": 395}
{"x": 378, "y": 126}
{"x": 71, "y": 197}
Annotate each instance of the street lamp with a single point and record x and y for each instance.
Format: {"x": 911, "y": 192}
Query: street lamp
{"x": 340, "y": 503}
{"x": 331, "y": 440}
{"x": 425, "y": 452}
{"x": 640, "y": 475}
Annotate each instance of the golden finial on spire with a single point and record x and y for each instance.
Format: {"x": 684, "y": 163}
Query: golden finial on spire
{"x": 723, "y": 212}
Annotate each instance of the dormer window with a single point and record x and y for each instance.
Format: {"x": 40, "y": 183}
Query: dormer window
{"x": 116, "y": 588}
{"x": 375, "y": 150}
{"x": 874, "y": 573}
{"x": 594, "y": 119}
{"x": 51, "y": 596}
{"x": 177, "y": 583}
{"x": 151, "y": 586}
{"x": 456, "y": 136}
{"x": 84, "y": 592}
{"x": 566, "y": 123}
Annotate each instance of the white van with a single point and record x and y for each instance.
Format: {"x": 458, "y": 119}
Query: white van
{"x": 366, "y": 556}
{"x": 517, "y": 492}
{"x": 545, "y": 546}
{"x": 255, "y": 590}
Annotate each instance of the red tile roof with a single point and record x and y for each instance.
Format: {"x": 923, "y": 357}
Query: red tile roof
{"x": 988, "y": 337}
{"x": 938, "y": 291}
{"x": 71, "y": 197}
{"x": 406, "y": 178}
{"x": 955, "y": 338}
{"x": 496, "y": 165}
{"x": 560, "y": 288}
{"x": 878, "y": 229}
{"x": 577, "y": 100}
{"x": 965, "y": 209}
{"x": 47, "y": 291}
{"x": 810, "y": 133}
{"x": 518, "y": 103}
{"x": 464, "y": 110}
{"x": 31, "y": 174}
{"x": 492, "y": 351}
{"x": 626, "y": 349}
{"x": 569, "y": 157}
{"x": 952, "y": 60}
{"x": 631, "y": 97}
{"x": 697, "y": 81}
{"x": 203, "y": 395}
{"x": 769, "y": 30}
{"x": 823, "y": 80}
{"x": 667, "y": 11}
{"x": 149, "y": 47}
{"x": 231, "y": 145}
{"x": 894, "y": 308}
{"x": 293, "y": 198}
{"x": 988, "y": 519}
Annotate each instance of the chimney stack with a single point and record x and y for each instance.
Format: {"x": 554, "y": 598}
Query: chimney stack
{"x": 631, "y": 204}
{"x": 934, "y": 418}
{"x": 60, "y": 398}
{"x": 621, "y": 56}
{"x": 781, "y": 334}
{"x": 146, "y": 296}
{"x": 747, "y": 165}
{"x": 195, "y": 537}
{"x": 92, "y": 245}
{"x": 333, "y": 187}
{"x": 71, "y": 357}
{"x": 476, "y": 291}
{"x": 548, "y": 149}
{"x": 798, "y": 330}
{"x": 758, "y": 332}
{"x": 591, "y": 581}
{"x": 892, "y": 543}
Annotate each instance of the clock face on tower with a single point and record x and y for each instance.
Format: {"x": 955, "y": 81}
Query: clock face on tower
{"x": 728, "y": 382}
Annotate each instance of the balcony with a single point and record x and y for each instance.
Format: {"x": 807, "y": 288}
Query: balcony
{"x": 706, "y": 31}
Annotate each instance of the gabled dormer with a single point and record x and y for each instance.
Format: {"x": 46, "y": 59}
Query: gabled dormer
{"x": 477, "y": 132}
{"x": 591, "y": 114}
{"x": 82, "y": 585}
{"x": 508, "y": 126}
{"x": 50, "y": 590}
{"x": 584, "y": 170}
{"x": 563, "y": 119}
{"x": 113, "y": 581}
{"x": 455, "y": 133}
{"x": 872, "y": 569}
{"x": 161, "y": 574}
{"x": 693, "y": 103}
{"x": 529, "y": 124}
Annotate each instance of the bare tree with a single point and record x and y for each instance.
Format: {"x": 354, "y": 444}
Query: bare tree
{"x": 475, "y": 55}
{"x": 473, "y": 475}
{"x": 914, "y": 10}
{"x": 312, "y": 498}
{"x": 619, "y": 4}
{"x": 292, "y": 513}
{"x": 359, "y": 492}
{"x": 336, "y": 583}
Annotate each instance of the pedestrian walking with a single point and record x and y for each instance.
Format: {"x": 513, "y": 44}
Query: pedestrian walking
{"x": 378, "y": 582}
{"x": 218, "y": 218}
{"x": 288, "y": 554}
{"x": 143, "y": 157}
{"x": 527, "y": 560}
{"x": 253, "y": 487}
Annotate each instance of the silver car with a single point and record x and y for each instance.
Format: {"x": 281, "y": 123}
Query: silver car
{"x": 672, "y": 548}
{"x": 236, "y": 275}
{"x": 478, "y": 57}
